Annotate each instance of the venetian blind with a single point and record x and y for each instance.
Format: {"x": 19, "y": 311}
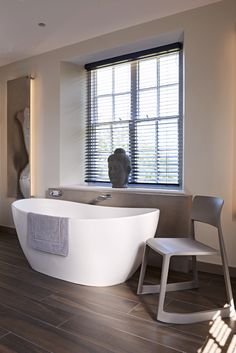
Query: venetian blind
{"x": 135, "y": 102}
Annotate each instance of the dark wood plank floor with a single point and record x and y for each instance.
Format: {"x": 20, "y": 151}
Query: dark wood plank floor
{"x": 40, "y": 314}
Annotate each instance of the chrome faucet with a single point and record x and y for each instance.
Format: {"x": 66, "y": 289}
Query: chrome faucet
{"x": 101, "y": 198}
{"x": 55, "y": 192}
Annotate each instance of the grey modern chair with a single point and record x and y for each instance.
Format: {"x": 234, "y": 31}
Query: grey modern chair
{"x": 206, "y": 210}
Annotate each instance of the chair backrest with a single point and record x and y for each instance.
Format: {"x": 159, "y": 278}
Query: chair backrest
{"x": 207, "y": 209}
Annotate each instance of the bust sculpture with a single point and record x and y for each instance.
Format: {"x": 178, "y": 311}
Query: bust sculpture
{"x": 119, "y": 168}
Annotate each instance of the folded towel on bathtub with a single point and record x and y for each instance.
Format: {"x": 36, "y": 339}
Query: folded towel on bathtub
{"x": 48, "y": 233}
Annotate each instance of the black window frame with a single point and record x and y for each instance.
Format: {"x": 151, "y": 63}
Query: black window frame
{"x": 173, "y": 47}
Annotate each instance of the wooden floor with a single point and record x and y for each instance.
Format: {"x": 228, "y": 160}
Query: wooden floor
{"x": 39, "y": 314}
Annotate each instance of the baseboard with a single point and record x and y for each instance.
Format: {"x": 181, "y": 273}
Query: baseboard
{"x": 7, "y": 230}
{"x": 214, "y": 268}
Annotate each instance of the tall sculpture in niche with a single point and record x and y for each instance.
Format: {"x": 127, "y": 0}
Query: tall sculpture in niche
{"x": 23, "y": 118}
{"x": 119, "y": 168}
{"x": 18, "y": 137}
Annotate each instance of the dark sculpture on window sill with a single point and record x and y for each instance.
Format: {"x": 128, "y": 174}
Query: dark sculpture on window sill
{"x": 119, "y": 168}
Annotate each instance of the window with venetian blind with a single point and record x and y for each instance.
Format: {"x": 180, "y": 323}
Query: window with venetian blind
{"x": 135, "y": 102}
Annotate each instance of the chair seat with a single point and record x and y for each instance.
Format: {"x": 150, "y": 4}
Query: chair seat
{"x": 180, "y": 247}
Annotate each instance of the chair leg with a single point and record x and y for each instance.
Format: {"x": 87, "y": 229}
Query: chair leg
{"x": 195, "y": 271}
{"x": 226, "y": 272}
{"x": 229, "y": 290}
{"x": 163, "y": 284}
{"x": 143, "y": 270}
{"x": 228, "y": 287}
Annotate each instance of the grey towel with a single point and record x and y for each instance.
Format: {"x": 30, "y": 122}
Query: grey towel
{"x": 48, "y": 233}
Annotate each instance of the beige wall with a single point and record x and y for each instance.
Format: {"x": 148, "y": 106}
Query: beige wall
{"x": 210, "y": 114}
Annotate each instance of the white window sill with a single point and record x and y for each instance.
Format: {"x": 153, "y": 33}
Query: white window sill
{"x": 128, "y": 190}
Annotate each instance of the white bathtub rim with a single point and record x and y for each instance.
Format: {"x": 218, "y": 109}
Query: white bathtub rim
{"x": 146, "y": 210}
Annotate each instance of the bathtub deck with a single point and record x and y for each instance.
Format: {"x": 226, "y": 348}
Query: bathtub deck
{"x": 39, "y": 314}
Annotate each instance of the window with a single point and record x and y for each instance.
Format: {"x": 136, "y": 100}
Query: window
{"x": 135, "y": 102}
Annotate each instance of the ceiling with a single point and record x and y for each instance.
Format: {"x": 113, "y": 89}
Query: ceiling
{"x": 71, "y": 21}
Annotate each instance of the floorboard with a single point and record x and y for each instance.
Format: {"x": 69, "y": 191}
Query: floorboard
{"x": 13, "y": 344}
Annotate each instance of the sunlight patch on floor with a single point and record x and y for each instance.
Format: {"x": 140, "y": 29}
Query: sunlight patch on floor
{"x": 220, "y": 338}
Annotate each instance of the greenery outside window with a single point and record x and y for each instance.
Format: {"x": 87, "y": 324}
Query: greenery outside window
{"x": 135, "y": 102}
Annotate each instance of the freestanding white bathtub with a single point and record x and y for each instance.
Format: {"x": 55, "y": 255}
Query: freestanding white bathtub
{"x": 105, "y": 243}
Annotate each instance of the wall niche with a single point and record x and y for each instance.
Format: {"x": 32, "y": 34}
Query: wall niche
{"x": 18, "y": 137}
